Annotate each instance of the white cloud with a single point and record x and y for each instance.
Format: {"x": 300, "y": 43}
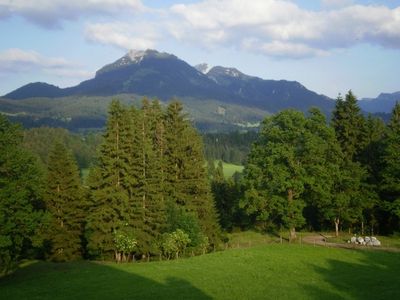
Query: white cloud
{"x": 277, "y": 28}
{"x": 49, "y": 13}
{"x": 122, "y": 35}
{"x": 282, "y": 28}
{"x": 17, "y": 61}
{"x": 280, "y": 49}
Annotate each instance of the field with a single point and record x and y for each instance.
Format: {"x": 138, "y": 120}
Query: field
{"x": 273, "y": 271}
{"x": 230, "y": 169}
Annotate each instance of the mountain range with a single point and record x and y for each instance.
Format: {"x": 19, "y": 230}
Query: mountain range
{"x": 210, "y": 95}
{"x": 384, "y": 103}
{"x": 162, "y": 75}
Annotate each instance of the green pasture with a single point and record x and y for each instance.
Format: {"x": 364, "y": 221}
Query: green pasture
{"x": 270, "y": 271}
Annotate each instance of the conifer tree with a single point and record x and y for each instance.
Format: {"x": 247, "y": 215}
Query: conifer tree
{"x": 109, "y": 207}
{"x": 21, "y": 208}
{"x": 148, "y": 166}
{"x": 225, "y": 194}
{"x": 390, "y": 183}
{"x": 187, "y": 181}
{"x": 64, "y": 201}
{"x": 349, "y": 125}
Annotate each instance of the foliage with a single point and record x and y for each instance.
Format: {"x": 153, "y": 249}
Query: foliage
{"x": 276, "y": 173}
{"x": 175, "y": 243}
{"x": 21, "y": 208}
{"x": 390, "y": 183}
{"x": 83, "y": 146}
{"x": 149, "y": 159}
{"x": 125, "y": 243}
{"x": 232, "y": 147}
{"x": 64, "y": 201}
{"x": 349, "y": 125}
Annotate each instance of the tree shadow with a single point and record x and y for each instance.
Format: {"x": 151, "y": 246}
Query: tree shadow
{"x": 91, "y": 280}
{"x": 376, "y": 275}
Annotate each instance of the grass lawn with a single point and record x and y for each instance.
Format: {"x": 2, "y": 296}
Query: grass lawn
{"x": 274, "y": 271}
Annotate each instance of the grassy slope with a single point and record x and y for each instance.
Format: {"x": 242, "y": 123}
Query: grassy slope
{"x": 265, "y": 272}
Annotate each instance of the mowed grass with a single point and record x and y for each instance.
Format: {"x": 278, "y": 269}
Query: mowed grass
{"x": 274, "y": 271}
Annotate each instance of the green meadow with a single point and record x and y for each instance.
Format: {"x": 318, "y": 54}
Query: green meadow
{"x": 230, "y": 169}
{"x": 271, "y": 271}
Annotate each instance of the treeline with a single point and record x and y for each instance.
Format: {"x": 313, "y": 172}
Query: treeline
{"x": 305, "y": 173}
{"x": 232, "y": 147}
{"x": 148, "y": 194}
{"x": 82, "y": 146}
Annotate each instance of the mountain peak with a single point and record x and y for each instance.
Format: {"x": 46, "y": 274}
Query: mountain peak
{"x": 135, "y": 57}
{"x": 203, "y": 68}
{"x": 229, "y": 72}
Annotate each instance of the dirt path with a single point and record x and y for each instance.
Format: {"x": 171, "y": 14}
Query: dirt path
{"x": 321, "y": 241}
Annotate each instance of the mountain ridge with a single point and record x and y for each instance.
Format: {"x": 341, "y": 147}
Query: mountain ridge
{"x": 165, "y": 76}
{"x": 384, "y": 103}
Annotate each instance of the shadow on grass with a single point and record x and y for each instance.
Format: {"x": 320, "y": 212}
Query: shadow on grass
{"x": 375, "y": 276}
{"x": 90, "y": 280}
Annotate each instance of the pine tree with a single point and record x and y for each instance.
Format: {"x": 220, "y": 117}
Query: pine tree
{"x": 64, "y": 201}
{"x": 21, "y": 208}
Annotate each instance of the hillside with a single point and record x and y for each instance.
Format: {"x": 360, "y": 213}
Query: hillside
{"x": 265, "y": 272}
{"x": 86, "y": 112}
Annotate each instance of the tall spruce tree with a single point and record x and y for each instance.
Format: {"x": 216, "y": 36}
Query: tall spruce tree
{"x": 351, "y": 130}
{"x": 371, "y": 159}
{"x": 109, "y": 201}
{"x": 187, "y": 180}
{"x": 148, "y": 166}
{"x": 349, "y": 125}
{"x": 21, "y": 208}
{"x": 64, "y": 201}
{"x": 225, "y": 194}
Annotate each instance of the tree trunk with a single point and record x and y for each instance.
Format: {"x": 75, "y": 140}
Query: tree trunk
{"x": 362, "y": 227}
{"x": 292, "y": 230}
{"x": 292, "y": 234}
{"x": 337, "y": 222}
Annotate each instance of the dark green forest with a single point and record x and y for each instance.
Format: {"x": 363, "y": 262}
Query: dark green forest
{"x": 150, "y": 193}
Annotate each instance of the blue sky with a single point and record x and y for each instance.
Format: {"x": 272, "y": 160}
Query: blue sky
{"x": 330, "y": 46}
